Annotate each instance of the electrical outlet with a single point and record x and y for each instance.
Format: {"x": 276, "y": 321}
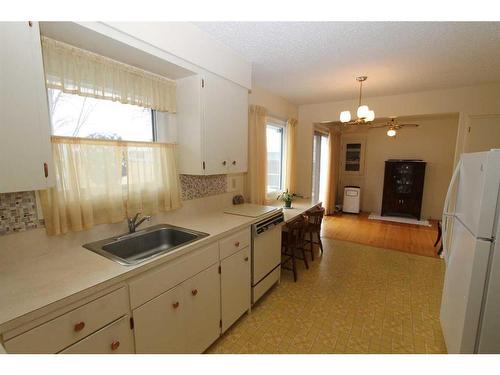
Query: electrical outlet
{"x": 232, "y": 183}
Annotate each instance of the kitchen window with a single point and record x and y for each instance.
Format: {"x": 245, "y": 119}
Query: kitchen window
{"x": 85, "y": 117}
{"x": 107, "y": 165}
{"x": 275, "y": 136}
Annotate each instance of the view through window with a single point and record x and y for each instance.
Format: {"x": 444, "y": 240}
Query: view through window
{"x": 320, "y": 165}
{"x": 85, "y": 117}
{"x": 275, "y": 156}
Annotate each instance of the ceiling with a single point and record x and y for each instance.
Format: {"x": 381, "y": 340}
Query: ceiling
{"x": 310, "y": 62}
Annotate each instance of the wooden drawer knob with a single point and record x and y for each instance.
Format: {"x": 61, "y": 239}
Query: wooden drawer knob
{"x": 237, "y": 244}
{"x": 79, "y": 326}
{"x": 175, "y": 304}
{"x": 194, "y": 292}
{"x": 246, "y": 259}
{"x": 115, "y": 345}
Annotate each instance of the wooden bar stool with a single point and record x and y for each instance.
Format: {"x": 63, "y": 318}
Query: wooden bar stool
{"x": 292, "y": 242}
{"x": 313, "y": 228}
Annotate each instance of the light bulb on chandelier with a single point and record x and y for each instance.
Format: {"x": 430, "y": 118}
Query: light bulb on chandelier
{"x": 364, "y": 113}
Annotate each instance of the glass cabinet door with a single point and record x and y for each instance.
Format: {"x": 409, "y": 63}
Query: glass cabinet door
{"x": 404, "y": 177}
{"x": 353, "y": 157}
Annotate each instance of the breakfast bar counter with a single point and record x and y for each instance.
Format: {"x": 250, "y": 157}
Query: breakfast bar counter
{"x": 299, "y": 207}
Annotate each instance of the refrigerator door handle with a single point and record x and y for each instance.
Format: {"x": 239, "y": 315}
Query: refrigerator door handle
{"x": 446, "y": 214}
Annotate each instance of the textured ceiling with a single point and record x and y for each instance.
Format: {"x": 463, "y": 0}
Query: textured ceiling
{"x": 308, "y": 62}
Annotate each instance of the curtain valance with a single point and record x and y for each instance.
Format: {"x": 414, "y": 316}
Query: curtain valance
{"x": 77, "y": 71}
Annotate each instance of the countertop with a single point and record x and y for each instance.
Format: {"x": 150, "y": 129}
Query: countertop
{"x": 299, "y": 206}
{"x": 40, "y": 273}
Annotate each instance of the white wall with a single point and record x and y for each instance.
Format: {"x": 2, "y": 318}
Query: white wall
{"x": 276, "y": 105}
{"x": 467, "y": 101}
{"x": 187, "y": 45}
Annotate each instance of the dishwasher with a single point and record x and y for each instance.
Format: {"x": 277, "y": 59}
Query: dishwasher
{"x": 266, "y": 254}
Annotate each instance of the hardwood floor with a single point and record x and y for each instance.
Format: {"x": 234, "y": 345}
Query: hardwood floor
{"x": 414, "y": 239}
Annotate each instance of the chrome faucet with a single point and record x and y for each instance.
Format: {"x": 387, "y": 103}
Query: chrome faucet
{"x": 133, "y": 223}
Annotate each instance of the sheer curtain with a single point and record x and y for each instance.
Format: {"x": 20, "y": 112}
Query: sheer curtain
{"x": 98, "y": 181}
{"x": 152, "y": 180}
{"x": 257, "y": 155}
{"x": 290, "y": 175}
{"x": 333, "y": 171}
{"x": 77, "y": 71}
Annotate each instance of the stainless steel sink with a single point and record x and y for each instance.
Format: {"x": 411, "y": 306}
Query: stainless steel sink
{"x": 144, "y": 244}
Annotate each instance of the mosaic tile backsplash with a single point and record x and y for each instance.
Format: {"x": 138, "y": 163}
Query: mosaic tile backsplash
{"x": 193, "y": 187}
{"x": 18, "y": 212}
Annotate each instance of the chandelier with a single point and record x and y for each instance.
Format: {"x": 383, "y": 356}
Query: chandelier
{"x": 364, "y": 114}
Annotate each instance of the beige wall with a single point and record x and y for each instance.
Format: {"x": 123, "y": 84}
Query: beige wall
{"x": 483, "y": 133}
{"x": 275, "y": 105}
{"x": 429, "y": 142}
{"x": 467, "y": 101}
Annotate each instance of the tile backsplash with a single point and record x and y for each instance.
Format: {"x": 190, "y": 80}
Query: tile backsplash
{"x": 193, "y": 187}
{"x": 18, "y": 212}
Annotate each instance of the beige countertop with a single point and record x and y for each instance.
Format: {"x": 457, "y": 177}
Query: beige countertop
{"x": 299, "y": 206}
{"x": 40, "y": 273}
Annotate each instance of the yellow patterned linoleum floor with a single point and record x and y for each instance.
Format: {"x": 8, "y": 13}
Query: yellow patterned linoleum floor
{"x": 353, "y": 299}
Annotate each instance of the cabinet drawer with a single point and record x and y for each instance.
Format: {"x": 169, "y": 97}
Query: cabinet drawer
{"x": 61, "y": 332}
{"x": 164, "y": 277}
{"x": 234, "y": 243}
{"x": 115, "y": 338}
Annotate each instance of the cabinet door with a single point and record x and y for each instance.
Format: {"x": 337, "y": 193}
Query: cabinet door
{"x": 215, "y": 102}
{"x": 24, "y": 117}
{"x": 159, "y": 325}
{"x": 235, "y": 287}
{"x": 202, "y": 301}
{"x": 237, "y": 130}
{"x": 115, "y": 338}
{"x": 189, "y": 120}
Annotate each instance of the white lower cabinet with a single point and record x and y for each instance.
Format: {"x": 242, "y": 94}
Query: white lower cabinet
{"x": 235, "y": 287}
{"x": 72, "y": 326}
{"x": 203, "y": 309}
{"x": 184, "y": 319}
{"x": 179, "y": 307}
{"x": 159, "y": 325}
{"x": 115, "y": 338}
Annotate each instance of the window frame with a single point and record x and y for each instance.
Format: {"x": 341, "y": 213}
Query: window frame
{"x": 154, "y": 129}
{"x": 280, "y": 124}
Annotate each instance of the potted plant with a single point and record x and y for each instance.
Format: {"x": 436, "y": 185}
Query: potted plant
{"x": 286, "y": 197}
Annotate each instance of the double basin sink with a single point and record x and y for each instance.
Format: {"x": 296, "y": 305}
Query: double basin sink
{"x": 144, "y": 244}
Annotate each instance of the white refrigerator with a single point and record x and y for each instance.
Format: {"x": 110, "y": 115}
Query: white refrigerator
{"x": 470, "y": 306}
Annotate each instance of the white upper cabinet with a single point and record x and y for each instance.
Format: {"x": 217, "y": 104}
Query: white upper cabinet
{"x": 212, "y": 119}
{"x": 26, "y": 157}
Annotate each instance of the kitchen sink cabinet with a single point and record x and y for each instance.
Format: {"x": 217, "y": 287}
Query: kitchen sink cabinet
{"x": 184, "y": 319}
{"x": 235, "y": 287}
{"x": 212, "y": 118}
{"x": 160, "y": 324}
{"x": 26, "y": 162}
